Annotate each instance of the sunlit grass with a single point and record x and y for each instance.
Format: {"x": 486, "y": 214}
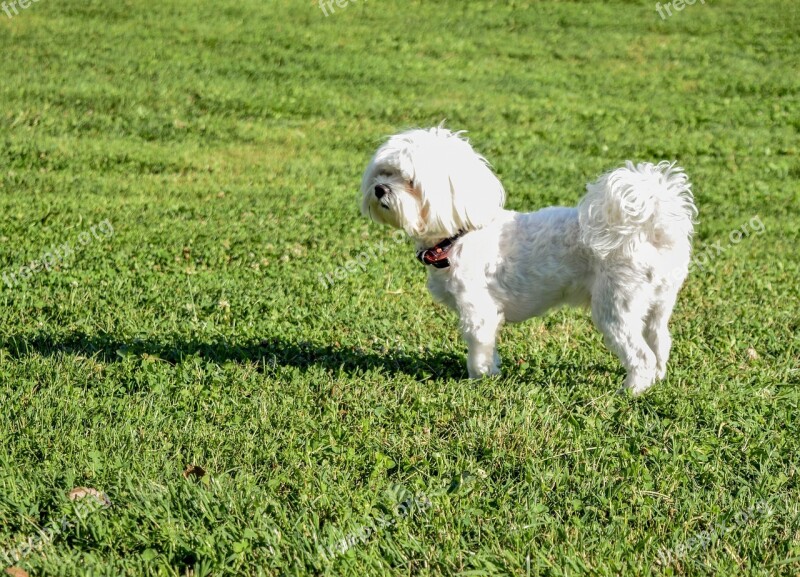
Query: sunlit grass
{"x": 224, "y": 142}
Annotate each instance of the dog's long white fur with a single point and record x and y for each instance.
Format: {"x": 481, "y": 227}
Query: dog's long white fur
{"x": 624, "y": 251}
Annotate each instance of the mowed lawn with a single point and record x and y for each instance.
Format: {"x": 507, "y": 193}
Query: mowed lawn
{"x": 178, "y": 180}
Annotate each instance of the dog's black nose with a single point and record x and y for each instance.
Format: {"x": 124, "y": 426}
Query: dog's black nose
{"x": 381, "y": 190}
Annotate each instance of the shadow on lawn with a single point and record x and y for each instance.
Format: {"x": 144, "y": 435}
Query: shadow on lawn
{"x": 271, "y": 352}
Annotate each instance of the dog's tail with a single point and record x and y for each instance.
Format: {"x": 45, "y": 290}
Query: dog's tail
{"x": 646, "y": 203}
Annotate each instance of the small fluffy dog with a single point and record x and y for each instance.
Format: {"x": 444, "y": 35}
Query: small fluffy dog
{"x": 624, "y": 250}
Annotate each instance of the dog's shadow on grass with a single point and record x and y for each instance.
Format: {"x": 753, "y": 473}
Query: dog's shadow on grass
{"x": 267, "y": 354}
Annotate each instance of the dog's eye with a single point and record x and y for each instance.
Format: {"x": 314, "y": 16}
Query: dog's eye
{"x": 411, "y": 183}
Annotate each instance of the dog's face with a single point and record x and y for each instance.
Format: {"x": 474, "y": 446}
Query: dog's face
{"x": 431, "y": 184}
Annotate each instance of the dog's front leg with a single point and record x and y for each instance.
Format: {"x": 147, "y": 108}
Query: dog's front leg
{"x": 480, "y": 322}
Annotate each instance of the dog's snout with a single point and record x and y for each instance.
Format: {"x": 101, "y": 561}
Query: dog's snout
{"x": 381, "y": 190}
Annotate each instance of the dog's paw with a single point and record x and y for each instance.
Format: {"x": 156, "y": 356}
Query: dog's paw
{"x": 625, "y": 390}
{"x": 480, "y": 372}
{"x": 637, "y": 386}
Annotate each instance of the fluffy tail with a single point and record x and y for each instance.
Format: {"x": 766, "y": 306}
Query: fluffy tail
{"x": 631, "y": 205}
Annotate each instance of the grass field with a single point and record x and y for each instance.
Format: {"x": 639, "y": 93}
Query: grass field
{"x": 178, "y": 178}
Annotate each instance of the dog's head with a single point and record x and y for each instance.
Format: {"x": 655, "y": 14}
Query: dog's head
{"x": 430, "y": 183}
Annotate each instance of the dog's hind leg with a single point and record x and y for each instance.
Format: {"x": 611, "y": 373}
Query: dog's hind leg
{"x": 619, "y": 314}
{"x": 656, "y": 331}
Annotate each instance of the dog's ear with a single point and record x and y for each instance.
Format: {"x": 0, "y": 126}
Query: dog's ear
{"x": 432, "y": 180}
{"x": 478, "y": 194}
{"x": 458, "y": 189}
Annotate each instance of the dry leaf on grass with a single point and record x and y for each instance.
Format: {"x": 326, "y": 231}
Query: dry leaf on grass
{"x": 79, "y": 493}
{"x": 195, "y": 471}
{"x": 16, "y": 572}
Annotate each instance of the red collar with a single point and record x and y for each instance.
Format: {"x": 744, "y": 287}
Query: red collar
{"x": 436, "y": 256}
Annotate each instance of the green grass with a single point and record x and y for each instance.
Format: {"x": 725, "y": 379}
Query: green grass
{"x": 224, "y": 142}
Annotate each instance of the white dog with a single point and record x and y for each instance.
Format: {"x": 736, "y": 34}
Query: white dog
{"x": 624, "y": 250}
